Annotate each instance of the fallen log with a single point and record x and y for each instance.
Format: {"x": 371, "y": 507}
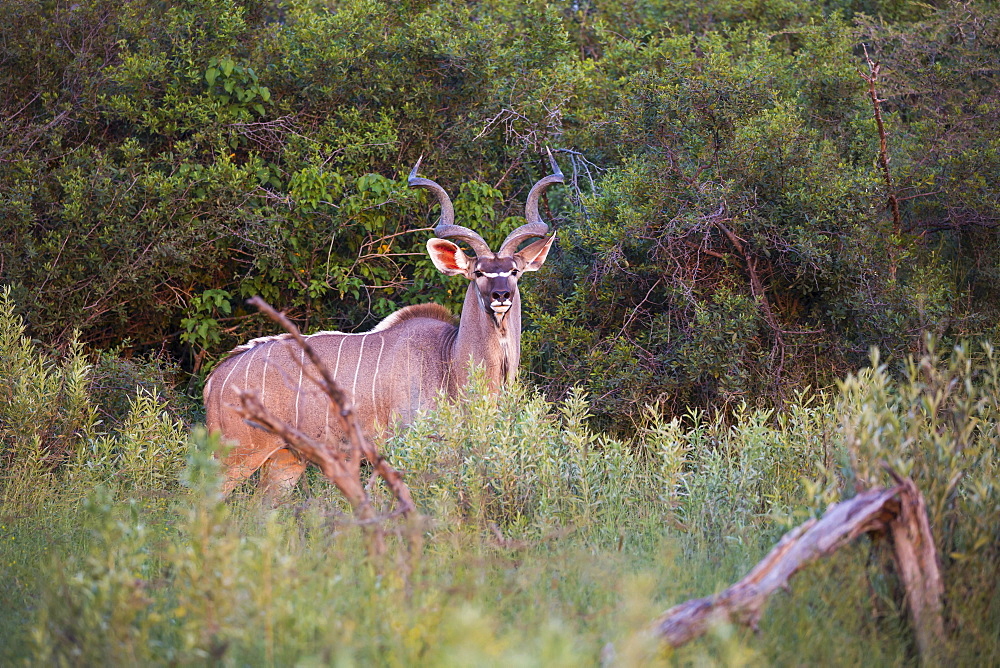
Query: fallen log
{"x": 899, "y": 509}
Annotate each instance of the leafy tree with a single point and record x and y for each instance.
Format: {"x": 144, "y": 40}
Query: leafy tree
{"x": 724, "y": 236}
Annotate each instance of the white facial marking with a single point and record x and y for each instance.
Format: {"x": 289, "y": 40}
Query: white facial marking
{"x": 499, "y": 274}
{"x": 501, "y": 307}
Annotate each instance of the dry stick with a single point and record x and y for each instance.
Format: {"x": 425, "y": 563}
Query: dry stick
{"x": 757, "y": 288}
{"x": 350, "y": 424}
{"x": 917, "y": 563}
{"x": 870, "y": 511}
{"x": 342, "y": 470}
{"x": 744, "y": 601}
{"x": 874, "y": 67}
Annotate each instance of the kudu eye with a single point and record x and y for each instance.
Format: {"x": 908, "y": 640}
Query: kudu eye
{"x": 514, "y": 272}
{"x": 478, "y": 274}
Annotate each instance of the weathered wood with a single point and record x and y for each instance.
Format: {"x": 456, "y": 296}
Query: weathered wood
{"x": 744, "y": 601}
{"x": 899, "y": 509}
{"x": 917, "y": 562}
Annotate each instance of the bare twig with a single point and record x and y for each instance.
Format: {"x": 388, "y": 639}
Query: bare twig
{"x": 351, "y": 425}
{"x": 343, "y": 469}
{"x": 757, "y": 288}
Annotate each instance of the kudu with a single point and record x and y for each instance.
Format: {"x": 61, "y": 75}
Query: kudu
{"x": 396, "y": 370}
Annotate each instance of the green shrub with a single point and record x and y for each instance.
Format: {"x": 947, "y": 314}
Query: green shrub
{"x": 116, "y": 380}
{"x": 937, "y": 425}
{"x": 50, "y": 431}
{"x": 45, "y": 410}
{"x": 96, "y": 607}
{"x": 936, "y": 422}
{"x": 520, "y": 463}
{"x": 145, "y": 453}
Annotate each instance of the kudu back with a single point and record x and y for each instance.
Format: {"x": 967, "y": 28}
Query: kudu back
{"x": 396, "y": 370}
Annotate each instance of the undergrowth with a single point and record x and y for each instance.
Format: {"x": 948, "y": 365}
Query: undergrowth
{"x": 545, "y": 542}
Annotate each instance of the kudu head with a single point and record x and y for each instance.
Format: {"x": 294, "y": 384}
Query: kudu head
{"x": 493, "y": 274}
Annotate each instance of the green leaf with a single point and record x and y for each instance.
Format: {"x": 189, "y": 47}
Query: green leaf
{"x": 210, "y": 75}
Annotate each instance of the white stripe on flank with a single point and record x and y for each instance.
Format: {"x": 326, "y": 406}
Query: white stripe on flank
{"x": 298, "y": 391}
{"x": 246, "y": 374}
{"x": 354, "y": 387}
{"x": 336, "y": 369}
{"x": 263, "y": 376}
{"x": 420, "y": 387}
{"x": 222, "y": 390}
{"x": 336, "y": 379}
{"x": 326, "y": 423}
{"x": 375, "y": 376}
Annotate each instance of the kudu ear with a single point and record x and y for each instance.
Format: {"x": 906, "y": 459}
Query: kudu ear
{"x": 447, "y": 257}
{"x": 534, "y": 254}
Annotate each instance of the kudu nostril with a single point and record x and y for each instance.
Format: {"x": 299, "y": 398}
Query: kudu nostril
{"x": 501, "y": 296}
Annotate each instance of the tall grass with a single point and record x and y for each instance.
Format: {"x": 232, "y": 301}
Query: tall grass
{"x": 50, "y": 431}
{"x": 546, "y": 543}
{"x": 44, "y": 409}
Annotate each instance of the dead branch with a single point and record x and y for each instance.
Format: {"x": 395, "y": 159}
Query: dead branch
{"x": 874, "y": 68}
{"x": 757, "y": 288}
{"x": 342, "y": 470}
{"x": 900, "y": 509}
{"x": 345, "y": 410}
{"x": 340, "y": 467}
{"x": 917, "y": 564}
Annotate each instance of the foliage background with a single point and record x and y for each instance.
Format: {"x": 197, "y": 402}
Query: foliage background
{"x": 724, "y": 243}
{"x": 724, "y": 236}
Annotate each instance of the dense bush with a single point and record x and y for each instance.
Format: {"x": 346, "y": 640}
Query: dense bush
{"x": 724, "y": 238}
{"x": 57, "y": 425}
{"x": 743, "y": 246}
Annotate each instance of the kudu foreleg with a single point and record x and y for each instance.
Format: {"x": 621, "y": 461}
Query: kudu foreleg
{"x": 243, "y": 460}
{"x": 279, "y": 475}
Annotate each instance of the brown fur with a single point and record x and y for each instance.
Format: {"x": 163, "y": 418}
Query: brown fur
{"x": 433, "y": 311}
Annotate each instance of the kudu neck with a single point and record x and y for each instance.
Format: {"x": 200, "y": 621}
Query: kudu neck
{"x": 488, "y": 341}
